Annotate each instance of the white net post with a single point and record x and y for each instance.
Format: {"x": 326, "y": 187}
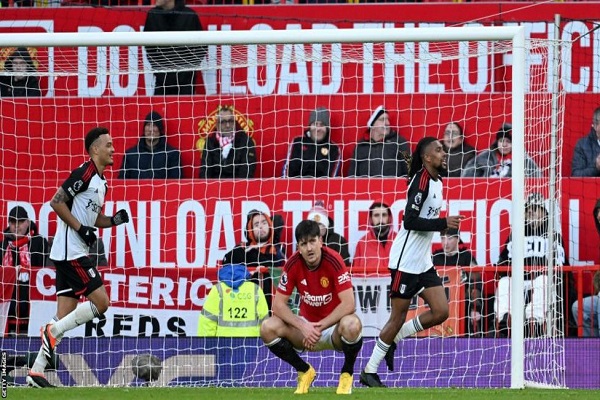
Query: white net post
{"x": 525, "y": 127}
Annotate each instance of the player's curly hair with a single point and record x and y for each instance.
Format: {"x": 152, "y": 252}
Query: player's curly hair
{"x": 415, "y": 161}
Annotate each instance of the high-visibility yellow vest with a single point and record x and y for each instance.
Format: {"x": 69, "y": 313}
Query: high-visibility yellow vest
{"x": 233, "y": 314}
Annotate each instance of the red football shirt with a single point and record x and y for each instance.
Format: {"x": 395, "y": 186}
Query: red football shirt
{"x": 319, "y": 289}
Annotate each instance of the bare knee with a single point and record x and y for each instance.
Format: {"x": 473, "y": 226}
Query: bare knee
{"x": 350, "y": 327}
{"x": 268, "y": 330}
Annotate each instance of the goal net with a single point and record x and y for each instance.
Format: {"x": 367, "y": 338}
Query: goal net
{"x": 468, "y": 83}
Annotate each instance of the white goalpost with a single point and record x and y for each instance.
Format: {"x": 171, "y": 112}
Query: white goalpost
{"x": 181, "y": 227}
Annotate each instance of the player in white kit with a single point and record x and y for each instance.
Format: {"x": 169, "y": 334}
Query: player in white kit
{"x": 411, "y": 267}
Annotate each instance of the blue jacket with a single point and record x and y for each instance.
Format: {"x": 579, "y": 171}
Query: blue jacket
{"x": 586, "y": 151}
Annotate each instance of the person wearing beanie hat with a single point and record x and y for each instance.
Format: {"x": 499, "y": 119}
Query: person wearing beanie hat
{"x": 535, "y": 279}
{"x": 19, "y": 84}
{"x": 331, "y": 239}
{"x": 22, "y": 248}
{"x": 229, "y": 151}
{"x": 313, "y": 154}
{"x": 382, "y": 153}
{"x": 496, "y": 162}
{"x": 459, "y": 152}
{"x": 259, "y": 253}
{"x": 152, "y": 157}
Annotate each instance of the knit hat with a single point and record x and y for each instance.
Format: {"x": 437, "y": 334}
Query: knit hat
{"x": 18, "y": 213}
{"x": 504, "y": 132}
{"x": 155, "y": 119}
{"x": 320, "y": 215}
{"x": 379, "y": 111}
{"x": 320, "y": 114}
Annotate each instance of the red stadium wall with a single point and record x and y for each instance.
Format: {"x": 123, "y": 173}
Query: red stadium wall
{"x": 98, "y": 100}
{"x": 42, "y": 138}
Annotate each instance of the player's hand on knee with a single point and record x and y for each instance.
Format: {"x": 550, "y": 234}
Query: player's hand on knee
{"x": 121, "y": 217}
{"x": 87, "y": 234}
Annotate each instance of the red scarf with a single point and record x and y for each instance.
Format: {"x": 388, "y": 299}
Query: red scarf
{"x": 21, "y": 246}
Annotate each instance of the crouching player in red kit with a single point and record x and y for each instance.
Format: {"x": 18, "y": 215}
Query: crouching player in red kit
{"x": 327, "y": 320}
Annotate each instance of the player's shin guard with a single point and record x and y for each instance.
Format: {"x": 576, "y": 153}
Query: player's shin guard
{"x": 283, "y": 349}
{"x": 351, "y": 350}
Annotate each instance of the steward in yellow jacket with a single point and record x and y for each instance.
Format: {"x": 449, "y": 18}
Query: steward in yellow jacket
{"x": 234, "y": 307}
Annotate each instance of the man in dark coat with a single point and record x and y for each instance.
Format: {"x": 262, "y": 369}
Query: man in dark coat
{"x": 20, "y": 83}
{"x": 229, "y": 152}
{"x": 381, "y": 154}
{"x": 173, "y": 15}
{"x": 586, "y": 156}
{"x": 313, "y": 154}
{"x": 152, "y": 157}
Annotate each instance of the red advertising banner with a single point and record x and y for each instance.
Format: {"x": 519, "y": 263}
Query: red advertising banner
{"x": 193, "y": 223}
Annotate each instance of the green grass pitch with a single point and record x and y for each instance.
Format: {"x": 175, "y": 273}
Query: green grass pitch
{"x": 185, "y": 393}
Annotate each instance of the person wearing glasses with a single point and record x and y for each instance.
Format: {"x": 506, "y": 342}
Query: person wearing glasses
{"x": 229, "y": 152}
{"x": 459, "y": 152}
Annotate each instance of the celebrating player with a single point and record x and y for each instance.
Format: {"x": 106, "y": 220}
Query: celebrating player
{"x": 412, "y": 270}
{"x": 78, "y": 203}
{"x": 327, "y": 320}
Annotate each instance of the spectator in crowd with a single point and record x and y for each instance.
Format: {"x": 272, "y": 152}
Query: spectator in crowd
{"x": 590, "y": 309}
{"x": 597, "y": 215}
{"x": 234, "y": 307}
{"x": 536, "y": 281}
{"x": 586, "y": 157}
{"x": 497, "y": 161}
{"x": 20, "y": 83}
{"x": 174, "y": 66}
{"x": 452, "y": 254}
{"x": 373, "y": 249}
{"x": 381, "y": 154}
{"x": 459, "y": 152}
{"x": 331, "y": 239}
{"x": 319, "y": 273}
{"x": 152, "y": 157}
{"x": 259, "y": 252}
{"x": 313, "y": 154}
{"x": 22, "y": 248}
{"x": 228, "y": 152}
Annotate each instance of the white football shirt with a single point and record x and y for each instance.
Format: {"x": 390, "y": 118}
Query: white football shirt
{"x": 86, "y": 190}
{"x": 411, "y": 249}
